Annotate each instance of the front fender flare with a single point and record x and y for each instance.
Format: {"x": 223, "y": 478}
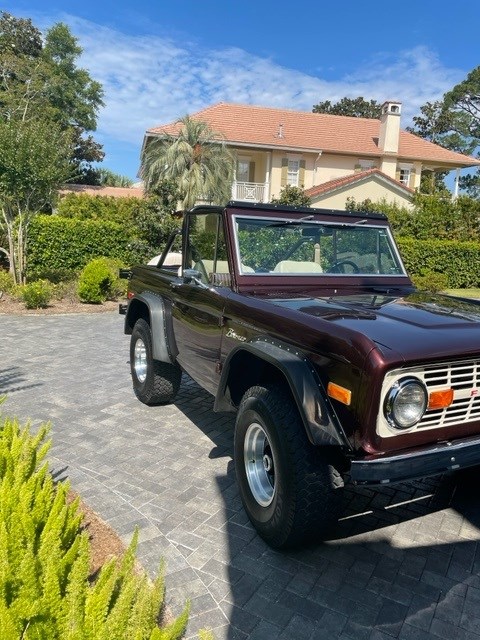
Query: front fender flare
{"x": 160, "y": 319}
{"x": 318, "y": 415}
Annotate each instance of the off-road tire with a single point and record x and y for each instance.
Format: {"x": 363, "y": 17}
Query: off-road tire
{"x": 161, "y": 380}
{"x": 307, "y": 494}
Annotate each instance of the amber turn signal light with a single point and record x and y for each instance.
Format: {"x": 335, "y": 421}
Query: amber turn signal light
{"x": 339, "y": 393}
{"x": 440, "y": 399}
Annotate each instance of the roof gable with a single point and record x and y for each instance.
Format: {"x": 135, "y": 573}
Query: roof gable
{"x": 357, "y": 178}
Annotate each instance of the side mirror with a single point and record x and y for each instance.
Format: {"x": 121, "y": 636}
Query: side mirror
{"x": 192, "y": 275}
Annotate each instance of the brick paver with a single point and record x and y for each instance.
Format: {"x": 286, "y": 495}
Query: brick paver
{"x": 403, "y": 562}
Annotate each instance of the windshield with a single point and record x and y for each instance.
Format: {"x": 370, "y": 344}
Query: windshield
{"x": 292, "y": 247}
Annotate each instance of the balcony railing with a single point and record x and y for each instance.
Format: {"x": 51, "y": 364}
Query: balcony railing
{"x": 250, "y": 191}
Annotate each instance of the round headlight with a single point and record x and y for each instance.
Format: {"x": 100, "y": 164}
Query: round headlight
{"x": 405, "y": 403}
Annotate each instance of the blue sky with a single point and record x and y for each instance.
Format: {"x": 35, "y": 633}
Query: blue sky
{"x": 159, "y": 60}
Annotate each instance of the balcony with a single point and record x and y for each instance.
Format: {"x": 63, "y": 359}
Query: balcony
{"x": 250, "y": 191}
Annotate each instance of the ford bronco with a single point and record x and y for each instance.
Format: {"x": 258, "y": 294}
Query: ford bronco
{"x": 305, "y": 323}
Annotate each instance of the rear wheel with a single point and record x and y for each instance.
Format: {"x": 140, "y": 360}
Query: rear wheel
{"x": 154, "y": 382}
{"x": 290, "y": 490}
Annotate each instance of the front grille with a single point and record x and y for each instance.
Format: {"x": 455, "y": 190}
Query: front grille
{"x": 462, "y": 376}
{"x": 464, "y": 379}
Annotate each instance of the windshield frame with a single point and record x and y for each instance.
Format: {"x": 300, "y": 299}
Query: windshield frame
{"x": 291, "y": 221}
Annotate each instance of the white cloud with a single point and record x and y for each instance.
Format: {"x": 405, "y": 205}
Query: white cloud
{"x": 149, "y": 80}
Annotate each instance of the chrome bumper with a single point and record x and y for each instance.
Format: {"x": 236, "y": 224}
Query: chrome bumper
{"x": 416, "y": 463}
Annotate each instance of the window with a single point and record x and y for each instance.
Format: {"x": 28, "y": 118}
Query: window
{"x": 292, "y": 173}
{"x": 366, "y": 164}
{"x": 404, "y": 174}
{"x": 243, "y": 170}
{"x": 206, "y": 251}
{"x": 272, "y": 247}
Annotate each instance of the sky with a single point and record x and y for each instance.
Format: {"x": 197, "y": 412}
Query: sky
{"x": 158, "y": 60}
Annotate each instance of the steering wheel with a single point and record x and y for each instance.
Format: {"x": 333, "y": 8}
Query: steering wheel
{"x": 338, "y": 267}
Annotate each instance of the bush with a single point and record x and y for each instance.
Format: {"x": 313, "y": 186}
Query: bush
{"x": 82, "y": 206}
{"x": 36, "y": 295}
{"x": 44, "y": 582}
{"x": 6, "y": 281}
{"x": 64, "y": 246}
{"x": 430, "y": 281}
{"x": 99, "y": 281}
{"x": 458, "y": 261}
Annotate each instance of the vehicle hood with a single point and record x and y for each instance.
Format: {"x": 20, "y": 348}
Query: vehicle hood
{"x": 416, "y": 326}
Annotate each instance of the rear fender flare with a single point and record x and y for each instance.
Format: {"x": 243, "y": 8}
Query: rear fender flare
{"x": 321, "y": 423}
{"x": 158, "y": 313}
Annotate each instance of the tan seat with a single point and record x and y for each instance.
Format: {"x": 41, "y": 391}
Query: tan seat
{"x": 291, "y": 266}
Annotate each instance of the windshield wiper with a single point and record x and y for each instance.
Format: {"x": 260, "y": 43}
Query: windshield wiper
{"x": 288, "y": 223}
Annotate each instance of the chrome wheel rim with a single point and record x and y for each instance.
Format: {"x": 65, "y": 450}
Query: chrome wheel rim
{"x": 140, "y": 360}
{"x": 259, "y": 465}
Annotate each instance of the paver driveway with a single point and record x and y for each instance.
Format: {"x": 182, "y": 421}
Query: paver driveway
{"x": 403, "y": 562}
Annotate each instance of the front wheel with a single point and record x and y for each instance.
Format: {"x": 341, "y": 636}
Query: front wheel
{"x": 154, "y": 382}
{"x": 289, "y": 489}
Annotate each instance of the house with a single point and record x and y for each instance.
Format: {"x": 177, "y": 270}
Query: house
{"x": 331, "y": 157}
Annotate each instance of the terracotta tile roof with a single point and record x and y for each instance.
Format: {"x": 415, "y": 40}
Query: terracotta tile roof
{"x": 91, "y": 190}
{"x": 282, "y": 128}
{"x": 332, "y": 185}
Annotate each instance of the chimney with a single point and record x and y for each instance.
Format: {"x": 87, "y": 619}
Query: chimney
{"x": 390, "y": 127}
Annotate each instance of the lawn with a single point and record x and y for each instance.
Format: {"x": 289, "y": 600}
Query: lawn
{"x": 464, "y": 293}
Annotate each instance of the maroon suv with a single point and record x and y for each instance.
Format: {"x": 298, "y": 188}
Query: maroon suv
{"x": 305, "y": 322}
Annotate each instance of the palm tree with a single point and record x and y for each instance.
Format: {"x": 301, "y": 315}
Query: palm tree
{"x": 196, "y": 159}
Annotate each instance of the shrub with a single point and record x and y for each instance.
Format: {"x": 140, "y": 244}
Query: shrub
{"x": 430, "y": 281}
{"x": 7, "y": 283}
{"x": 36, "y": 295}
{"x": 44, "y": 582}
{"x": 64, "y": 246}
{"x": 99, "y": 281}
{"x": 458, "y": 261}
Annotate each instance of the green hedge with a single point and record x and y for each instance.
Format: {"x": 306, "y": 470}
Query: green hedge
{"x": 459, "y": 261}
{"x": 64, "y": 245}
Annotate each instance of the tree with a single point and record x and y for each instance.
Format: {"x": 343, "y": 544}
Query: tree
{"x": 292, "y": 196}
{"x": 43, "y": 82}
{"x": 196, "y": 159}
{"x": 33, "y": 164}
{"x": 464, "y": 101}
{"x": 355, "y": 107}
{"x": 108, "y": 178}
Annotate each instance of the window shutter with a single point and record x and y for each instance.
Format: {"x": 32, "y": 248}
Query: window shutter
{"x": 283, "y": 180}
{"x": 301, "y": 174}
{"x": 357, "y": 168}
{"x": 251, "y": 172}
{"x": 397, "y": 175}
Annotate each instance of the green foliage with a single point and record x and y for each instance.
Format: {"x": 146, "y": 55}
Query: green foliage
{"x": 67, "y": 245}
{"x": 458, "y": 261}
{"x": 99, "y": 281}
{"x": 83, "y": 206}
{"x": 40, "y": 81}
{"x": 431, "y": 281}
{"x": 354, "y": 107}
{"x": 292, "y": 196}
{"x": 37, "y": 294}
{"x": 454, "y": 123}
{"x": 465, "y": 98}
{"x": 196, "y": 159}
{"x": 7, "y": 283}
{"x": 33, "y": 164}
{"x": 19, "y": 37}
{"x": 432, "y": 217}
{"x": 44, "y": 558}
{"x": 110, "y": 179}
